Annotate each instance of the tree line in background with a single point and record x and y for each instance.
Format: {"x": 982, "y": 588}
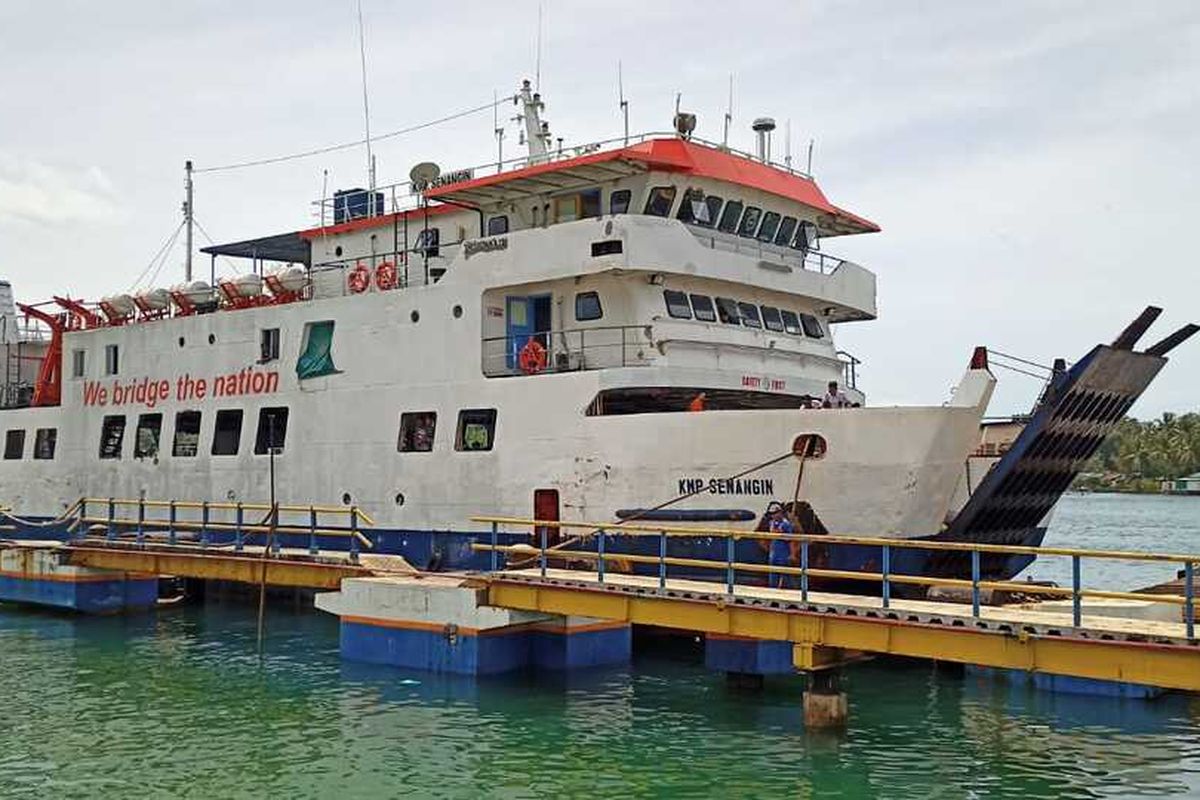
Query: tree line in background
{"x": 1138, "y": 455}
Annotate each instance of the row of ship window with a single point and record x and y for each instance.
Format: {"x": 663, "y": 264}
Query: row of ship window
{"x": 681, "y": 305}
{"x": 476, "y": 432}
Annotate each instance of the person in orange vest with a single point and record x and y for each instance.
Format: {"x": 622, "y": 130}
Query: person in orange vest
{"x": 697, "y": 403}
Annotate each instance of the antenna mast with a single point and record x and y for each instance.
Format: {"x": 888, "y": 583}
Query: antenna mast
{"x": 537, "y": 133}
{"x": 537, "y": 72}
{"x": 787, "y": 144}
{"x": 188, "y": 216}
{"x": 498, "y": 130}
{"x": 624, "y": 103}
{"x": 362, "y": 55}
{"x": 728, "y": 115}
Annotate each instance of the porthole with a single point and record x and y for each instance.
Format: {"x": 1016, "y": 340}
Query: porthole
{"x": 415, "y": 316}
{"x": 181, "y": 341}
{"x": 399, "y": 498}
{"x": 212, "y": 338}
{"x": 457, "y": 312}
{"x": 809, "y": 445}
{"x": 337, "y": 251}
{"x": 346, "y": 498}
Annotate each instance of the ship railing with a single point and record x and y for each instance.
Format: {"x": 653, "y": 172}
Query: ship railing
{"x": 406, "y": 196}
{"x": 813, "y": 549}
{"x": 850, "y": 366}
{"x": 221, "y": 524}
{"x": 571, "y": 349}
{"x": 415, "y": 266}
{"x": 811, "y": 260}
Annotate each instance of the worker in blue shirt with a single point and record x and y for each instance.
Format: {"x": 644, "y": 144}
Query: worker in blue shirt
{"x": 781, "y": 549}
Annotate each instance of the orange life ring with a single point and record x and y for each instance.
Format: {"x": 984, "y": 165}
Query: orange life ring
{"x": 385, "y": 275}
{"x": 532, "y": 358}
{"x": 359, "y": 279}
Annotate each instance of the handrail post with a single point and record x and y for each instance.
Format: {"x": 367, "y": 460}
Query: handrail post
{"x": 730, "y": 545}
{"x": 804, "y": 571}
{"x": 141, "y": 523}
{"x": 975, "y": 584}
{"x": 239, "y": 536}
{"x": 82, "y": 515}
{"x": 1189, "y": 598}
{"x": 887, "y": 568}
{"x": 171, "y": 518}
{"x": 204, "y": 524}
{"x": 353, "y": 534}
{"x": 111, "y": 532}
{"x": 1076, "y": 600}
{"x": 495, "y": 544}
{"x": 542, "y": 557}
{"x": 662, "y": 561}
{"x": 600, "y": 557}
{"x": 312, "y": 531}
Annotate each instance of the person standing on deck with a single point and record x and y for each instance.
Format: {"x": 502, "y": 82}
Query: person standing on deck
{"x": 781, "y": 552}
{"x": 697, "y": 403}
{"x": 835, "y": 397}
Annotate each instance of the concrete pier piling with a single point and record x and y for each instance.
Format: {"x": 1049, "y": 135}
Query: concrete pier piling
{"x": 825, "y": 704}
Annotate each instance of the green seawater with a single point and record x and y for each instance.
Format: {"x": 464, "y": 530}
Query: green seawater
{"x": 178, "y": 704}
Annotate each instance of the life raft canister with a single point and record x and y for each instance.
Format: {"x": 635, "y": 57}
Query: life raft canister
{"x": 385, "y": 275}
{"x": 359, "y": 279}
{"x": 532, "y": 358}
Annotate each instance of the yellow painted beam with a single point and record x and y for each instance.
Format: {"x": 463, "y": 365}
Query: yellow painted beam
{"x": 1166, "y": 666}
{"x": 217, "y": 566}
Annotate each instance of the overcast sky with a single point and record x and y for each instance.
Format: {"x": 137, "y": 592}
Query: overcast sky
{"x": 1035, "y": 166}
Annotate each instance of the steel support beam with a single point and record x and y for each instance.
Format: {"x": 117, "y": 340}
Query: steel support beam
{"x": 217, "y": 566}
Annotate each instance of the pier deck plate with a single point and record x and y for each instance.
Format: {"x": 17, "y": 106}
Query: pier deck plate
{"x": 1105, "y": 648}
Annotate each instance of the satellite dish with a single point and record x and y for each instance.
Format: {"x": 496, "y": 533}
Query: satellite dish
{"x": 424, "y": 173}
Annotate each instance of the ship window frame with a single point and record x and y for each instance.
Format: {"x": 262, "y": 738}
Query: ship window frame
{"x": 730, "y": 216}
{"x": 693, "y": 198}
{"x": 728, "y": 315}
{"x": 263, "y": 442}
{"x": 485, "y": 417}
{"x": 681, "y": 305}
{"x": 705, "y": 311}
{"x": 78, "y": 362}
{"x": 410, "y": 425}
{"x": 793, "y": 326}
{"x": 768, "y": 227}
{"x": 786, "y": 231}
{"x": 148, "y": 423}
{"x": 45, "y": 441}
{"x": 179, "y": 449}
{"x": 748, "y": 226}
{"x": 772, "y": 319}
{"x": 749, "y": 314}
{"x": 112, "y": 437}
{"x": 497, "y": 225}
{"x": 811, "y": 323}
{"x": 269, "y": 340}
{"x": 14, "y": 444}
{"x": 429, "y": 242}
{"x": 619, "y": 201}
{"x": 222, "y": 430}
{"x": 654, "y": 201}
{"x": 590, "y": 313}
{"x": 112, "y": 359}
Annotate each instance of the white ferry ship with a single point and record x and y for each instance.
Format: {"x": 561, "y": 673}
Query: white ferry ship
{"x": 637, "y": 330}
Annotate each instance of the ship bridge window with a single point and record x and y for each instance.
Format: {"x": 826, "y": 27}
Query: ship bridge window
{"x": 145, "y": 438}
{"x": 749, "y": 314}
{"x": 497, "y": 225}
{"x": 618, "y": 201}
{"x": 771, "y": 319}
{"x": 587, "y": 307}
{"x": 812, "y": 327}
{"x": 476, "y": 429}
{"x": 416, "y": 431}
{"x": 677, "y": 304}
{"x": 806, "y": 237}
{"x": 112, "y": 359}
{"x": 749, "y": 222}
{"x": 272, "y": 430}
{"x": 787, "y": 227}
{"x": 696, "y": 209}
{"x": 187, "y": 434}
{"x": 14, "y": 444}
{"x": 727, "y": 310}
{"x": 702, "y": 306}
{"x": 730, "y": 216}
{"x": 791, "y": 323}
{"x": 770, "y": 224}
{"x": 659, "y": 203}
{"x": 43, "y": 443}
{"x": 228, "y": 432}
{"x": 112, "y": 436}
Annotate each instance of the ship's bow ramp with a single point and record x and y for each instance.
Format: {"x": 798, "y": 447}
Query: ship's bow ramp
{"x": 1079, "y": 409}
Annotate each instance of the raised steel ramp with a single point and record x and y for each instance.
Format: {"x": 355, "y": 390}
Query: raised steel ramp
{"x": 1078, "y": 410}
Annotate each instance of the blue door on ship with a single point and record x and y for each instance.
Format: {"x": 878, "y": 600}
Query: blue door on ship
{"x": 524, "y": 317}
